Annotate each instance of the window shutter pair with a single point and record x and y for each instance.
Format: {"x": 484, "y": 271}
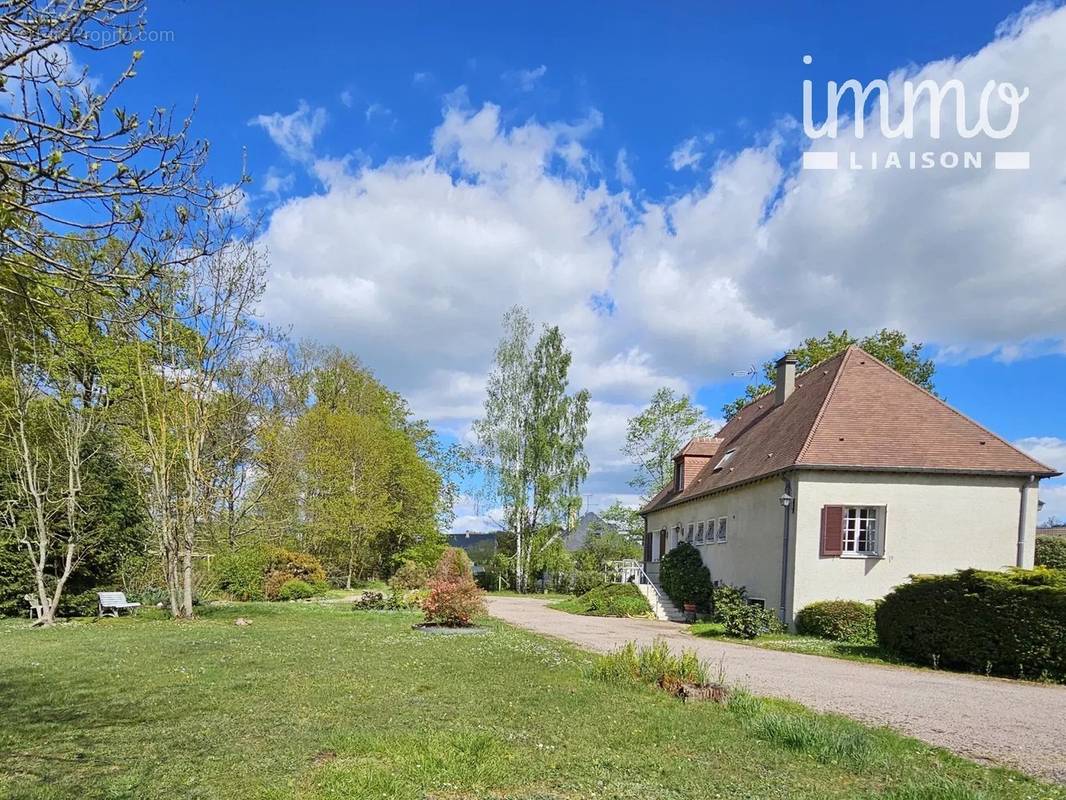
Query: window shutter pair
{"x": 832, "y": 530}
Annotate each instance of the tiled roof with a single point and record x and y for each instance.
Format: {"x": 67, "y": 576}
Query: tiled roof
{"x": 700, "y": 446}
{"x": 851, "y": 412}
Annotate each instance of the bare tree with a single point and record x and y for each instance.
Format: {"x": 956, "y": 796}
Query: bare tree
{"x": 75, "y": 164}
{"x": 200, "y": 325}
{"x": 48, "y": 419}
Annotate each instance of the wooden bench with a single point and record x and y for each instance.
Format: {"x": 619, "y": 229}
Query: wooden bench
{"x": 114, "y": 602}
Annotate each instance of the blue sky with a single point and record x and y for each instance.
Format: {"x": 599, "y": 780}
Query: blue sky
{"x": 628, "y": 170}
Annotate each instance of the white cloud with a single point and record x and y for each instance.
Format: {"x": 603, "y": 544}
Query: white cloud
{"x": 294, "y": 133}
{"x": 686, "y": 154}
{"x": 412, "y": 262}
{"x": 1048, "y": 450}
{"x": 346, "y": 99}
{"x": 378, "y": 111}
{"x": 420, "y": 78}
{"x": 622, "y": 170}
{"x": 526, "y": 79}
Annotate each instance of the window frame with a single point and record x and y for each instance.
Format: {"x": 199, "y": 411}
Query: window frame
{"x": 722, "y": 534}
{"x": 690, "y": 533}
{"x": 880, "y": 514}
{"x": 710, "y": 535}
{"x": 699, "y": 532}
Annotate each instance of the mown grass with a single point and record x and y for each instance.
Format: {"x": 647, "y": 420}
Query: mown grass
{"x": 315, "y": 701}
{"x": 811, "y": 645}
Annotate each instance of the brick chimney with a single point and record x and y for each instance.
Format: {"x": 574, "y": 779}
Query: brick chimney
{"x": 786, "y": 378}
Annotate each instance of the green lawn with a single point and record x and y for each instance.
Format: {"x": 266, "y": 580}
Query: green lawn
{"x": 317, "y": 701}
{"x": 793, "y": 643}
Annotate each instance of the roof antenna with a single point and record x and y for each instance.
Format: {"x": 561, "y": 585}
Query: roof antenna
{"x": 751, "y": 372}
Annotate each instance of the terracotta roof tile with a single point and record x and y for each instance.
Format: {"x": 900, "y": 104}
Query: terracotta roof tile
{"x": 851, "y": 412}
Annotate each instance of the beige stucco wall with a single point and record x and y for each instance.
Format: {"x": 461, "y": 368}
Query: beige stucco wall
{"x": 751, "y": 554}
{"x": 934, "y": 524}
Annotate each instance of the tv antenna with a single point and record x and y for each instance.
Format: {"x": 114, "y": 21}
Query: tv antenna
{"x": 750, "y": 372}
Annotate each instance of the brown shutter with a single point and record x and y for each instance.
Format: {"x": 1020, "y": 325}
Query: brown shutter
{"x": 647, "y": 544}
{"x": 832, "y": 530}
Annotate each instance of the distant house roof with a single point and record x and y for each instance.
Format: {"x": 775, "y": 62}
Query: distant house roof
{"x": 575, "y": 539}
{"x": 1057, "y": 530}
{"x": 850, "y": 412}
{"x": 474, "y": 541}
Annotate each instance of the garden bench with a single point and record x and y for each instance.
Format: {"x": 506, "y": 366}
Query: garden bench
{"x": 114, "y": 602}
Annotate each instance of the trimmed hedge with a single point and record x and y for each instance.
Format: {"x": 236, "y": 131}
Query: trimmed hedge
{"x": 1051, "y": 551}
{"x": 610, "y": 600}
{"x": 684, "y": 577}
{"x": 999, "y": 623}
{"x": 838, "y": 620}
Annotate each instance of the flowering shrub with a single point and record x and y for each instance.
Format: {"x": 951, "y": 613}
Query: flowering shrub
{"x": 454, "y": 598}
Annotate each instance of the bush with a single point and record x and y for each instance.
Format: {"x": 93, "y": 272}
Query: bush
{"x": 839, "y": 620}
{"x": 684, "y": 577}
{"x": 1051, "y": 551}
{"x": 454, "y": 564}
{"x": 586, "y": 580}
{"x": 1004, "y": 623}
{"x": 609, "y": 600}
{"x": 655, "y": 665}
{"x": 410, "y": 575}
{"x": 724, "y": 598}
{"x": 376, "y": 601}
{"x": 295, "y": 589}
{"x": 748, "y": 621}
{"x": 454, "y": 603}
{"x": 257, "y": 572}
{"x": 241, "y": 572}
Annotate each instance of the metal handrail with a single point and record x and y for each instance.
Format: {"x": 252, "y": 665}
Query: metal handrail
{"x": 630, "y": 567}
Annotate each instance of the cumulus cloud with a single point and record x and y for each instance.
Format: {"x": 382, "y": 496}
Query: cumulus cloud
{"x": 1049, "y": 450}
{"x": 411, "y": 262}
{"x": 294, "y": 133}
{"x": 686, "y": 155}
{"x": 622, "y": 170}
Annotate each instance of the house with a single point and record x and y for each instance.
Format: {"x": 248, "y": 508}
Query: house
{"x": 590, "y": 524}
{"x": 841, "y": 483}
{"x": 480, "y": 547}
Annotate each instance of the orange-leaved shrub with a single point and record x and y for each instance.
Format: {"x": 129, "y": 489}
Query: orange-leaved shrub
{"x": 454, "y": 598}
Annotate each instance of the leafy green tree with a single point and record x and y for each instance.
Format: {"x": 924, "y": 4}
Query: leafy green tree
{"x": 603, "y": 546}
{"x": 625, "y": 520}
{"x": 890, "y": 346}
{"x": 532, "y": 434}
{"x": 655, "y": 435}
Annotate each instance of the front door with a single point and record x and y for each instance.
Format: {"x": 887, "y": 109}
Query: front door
{"x": 662, "y": 544}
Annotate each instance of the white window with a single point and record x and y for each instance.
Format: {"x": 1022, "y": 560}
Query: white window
{"x": 677, "y": 534}
{"x": 691, "y": 532}
{"x": 710, "y": 531}
{"x": 721, "y": 529}
{"x": 699, "y": 533}
{"x": 862, "y": 531}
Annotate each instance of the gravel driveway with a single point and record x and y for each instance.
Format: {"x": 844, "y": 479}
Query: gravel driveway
{"x": 1021, "y": 725}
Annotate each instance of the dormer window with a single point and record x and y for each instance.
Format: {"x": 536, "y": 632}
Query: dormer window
{"x": 679, "y": 475}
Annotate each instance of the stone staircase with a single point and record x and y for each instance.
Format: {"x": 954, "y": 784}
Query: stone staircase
{"x": 660, "y": 604}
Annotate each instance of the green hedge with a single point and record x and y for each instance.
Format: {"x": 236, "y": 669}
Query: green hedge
{"x": 1051, "y": 551}
{"x": 1002, "y": 623}
{"x": 838, "y": 620}
{"x": 609, "y": 600}
{"x": 684, "y": 577}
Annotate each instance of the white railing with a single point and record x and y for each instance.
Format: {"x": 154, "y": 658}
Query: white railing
{"x": 629, "y": 570}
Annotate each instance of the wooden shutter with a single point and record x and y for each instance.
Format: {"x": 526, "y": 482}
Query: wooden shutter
{"x": 832, "y": 530}
{"x": 647, "y": 543}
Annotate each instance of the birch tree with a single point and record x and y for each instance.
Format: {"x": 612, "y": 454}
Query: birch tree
{"x": 199, "y": 324}
{"x": 654, "y": 436}
{"x": 532, "y": 434}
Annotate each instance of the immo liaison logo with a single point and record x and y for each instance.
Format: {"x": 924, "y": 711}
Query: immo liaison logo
{"x": 919, "y": 110}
